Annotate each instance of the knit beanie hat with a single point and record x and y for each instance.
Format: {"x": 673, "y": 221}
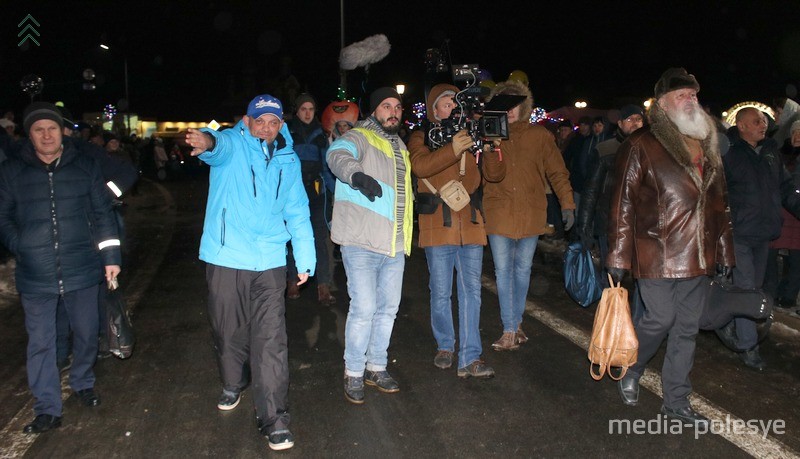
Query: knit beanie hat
{"x": 381, "y": 94}
{"x": 40, "y": 111}
{"x": 303, "y": 98}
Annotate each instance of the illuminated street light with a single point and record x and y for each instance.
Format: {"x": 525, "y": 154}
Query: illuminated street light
{"x": 647, "y": 103}
{"x": 401, "y": 88}
{"x": 581, "y": 104}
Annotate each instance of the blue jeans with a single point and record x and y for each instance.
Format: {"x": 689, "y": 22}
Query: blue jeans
{"x": 467, "y": 261}
{"x": 375, "y": 285}
{"x": 513, "y": 259}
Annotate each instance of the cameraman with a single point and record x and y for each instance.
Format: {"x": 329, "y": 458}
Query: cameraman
{"x": 451, "y": 239}
{"x": 516, "y": 207}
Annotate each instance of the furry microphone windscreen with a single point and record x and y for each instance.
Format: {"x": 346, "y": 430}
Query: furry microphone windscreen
{"x": 367, "y": 51}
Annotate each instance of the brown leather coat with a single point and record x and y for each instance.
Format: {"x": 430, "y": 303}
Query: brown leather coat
{"x": 666, "y": 219}
{"x": 514, "y": 196}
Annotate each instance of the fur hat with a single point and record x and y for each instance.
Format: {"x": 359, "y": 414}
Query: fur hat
{"x": 381, "y": 94}
{"x": 516, "y": 88}
{"x": 675, "y": 78}
{"x": 41, "y": 111}
{"x": 795, "y": 126}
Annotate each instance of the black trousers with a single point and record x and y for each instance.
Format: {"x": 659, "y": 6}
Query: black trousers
{"x": 673, "y": 312}
{"x": 247, "y": 311}
{"x": 749, "y": 272}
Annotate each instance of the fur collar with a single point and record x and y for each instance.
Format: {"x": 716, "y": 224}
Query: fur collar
{"x": 673, "y": 141}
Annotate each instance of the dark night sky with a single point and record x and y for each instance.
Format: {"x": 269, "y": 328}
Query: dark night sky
{"x": 204, "y": 59}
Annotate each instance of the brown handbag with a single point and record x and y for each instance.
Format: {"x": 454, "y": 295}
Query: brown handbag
{"x": 613, "y": 342}
{"x": 453, "y": 193}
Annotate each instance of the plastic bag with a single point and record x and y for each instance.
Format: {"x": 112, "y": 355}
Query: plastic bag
{"x": 118, "y": 327}
{"x": 580, "y": 276}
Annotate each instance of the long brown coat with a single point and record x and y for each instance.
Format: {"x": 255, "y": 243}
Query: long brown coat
{"x": 514, "y": 196}
{"x": 666, "y": 219}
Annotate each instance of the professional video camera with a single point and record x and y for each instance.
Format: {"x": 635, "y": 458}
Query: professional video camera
{"x": 483, "y": 121}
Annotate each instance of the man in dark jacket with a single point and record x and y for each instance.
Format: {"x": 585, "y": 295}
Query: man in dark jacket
{"x": 668, "y": 226}
{"x": 119, "y": 177}
{"x": 56, "y": 217}
{"x": 576, "y": 156}
{"x": 758, "y": 184}
{"x": 593, "y": 212}
{"x": 310, "y": 144}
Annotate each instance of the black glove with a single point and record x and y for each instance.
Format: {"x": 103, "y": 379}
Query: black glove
{"x": 616, "y": 274}
{"x": 724, "y": 271}
{"x": 367, "y": 185}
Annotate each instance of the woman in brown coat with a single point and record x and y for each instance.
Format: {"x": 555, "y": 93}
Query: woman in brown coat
{"x": 515, "y": 203}
{"x": 451, "y": 239}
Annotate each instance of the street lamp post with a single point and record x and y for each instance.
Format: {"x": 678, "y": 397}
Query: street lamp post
{"x": 127, "y": 97}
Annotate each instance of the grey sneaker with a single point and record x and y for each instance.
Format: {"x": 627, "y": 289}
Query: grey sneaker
{"x": 382, "y": 381}
{"x": 476, "y": 369}
{"x": 354, "y": 389}
{"x": 443, "y": 359}
{"x": 229, "y": 400}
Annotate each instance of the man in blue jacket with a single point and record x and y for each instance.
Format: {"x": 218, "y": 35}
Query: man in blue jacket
{"x": 56, "y": 218}
{"x": 256, "y": 204}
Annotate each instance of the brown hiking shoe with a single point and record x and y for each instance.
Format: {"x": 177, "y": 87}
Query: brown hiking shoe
{"x": 292, "y": 290}
{"x": 507, "y": 342}
{"x": 443, "y": 359}
{"x": 522, "y": 338}
{"x": 476, "y": 369}
{"x": 324, "y": 294}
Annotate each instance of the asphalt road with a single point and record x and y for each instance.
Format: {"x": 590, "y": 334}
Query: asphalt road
{"x": 542, "y": 403}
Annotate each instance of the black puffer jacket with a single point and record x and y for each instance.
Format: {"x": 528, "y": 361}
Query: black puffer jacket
{"x": 56, "y": 221}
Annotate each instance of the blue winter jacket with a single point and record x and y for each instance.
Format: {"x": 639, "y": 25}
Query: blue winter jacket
{"x": 256, "y": 203}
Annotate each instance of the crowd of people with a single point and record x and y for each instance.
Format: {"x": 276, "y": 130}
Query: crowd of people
{"x": 670, "y": 195}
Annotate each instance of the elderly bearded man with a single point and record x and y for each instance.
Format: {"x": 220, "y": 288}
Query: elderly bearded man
{"x": 668, "y": 225}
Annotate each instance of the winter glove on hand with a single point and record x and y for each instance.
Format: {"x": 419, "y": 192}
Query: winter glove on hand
{"x": 616, "y": 274}
{"x": 367, "y": 185}
{"x": 461, "y": 142}
{"x": 568, "y": 217}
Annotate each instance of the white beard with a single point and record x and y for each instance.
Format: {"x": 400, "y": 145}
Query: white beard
{"x": 693, "y": 125}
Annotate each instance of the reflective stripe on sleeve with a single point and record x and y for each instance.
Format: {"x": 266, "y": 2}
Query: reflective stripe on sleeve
{"x": 114, "y": 188}
{"x": 108, "y": 243}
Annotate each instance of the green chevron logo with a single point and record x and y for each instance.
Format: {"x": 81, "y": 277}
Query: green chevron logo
{"x": 28, "y": 30}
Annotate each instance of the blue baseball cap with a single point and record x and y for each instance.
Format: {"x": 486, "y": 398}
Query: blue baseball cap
{"x": 265, "y": 105}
